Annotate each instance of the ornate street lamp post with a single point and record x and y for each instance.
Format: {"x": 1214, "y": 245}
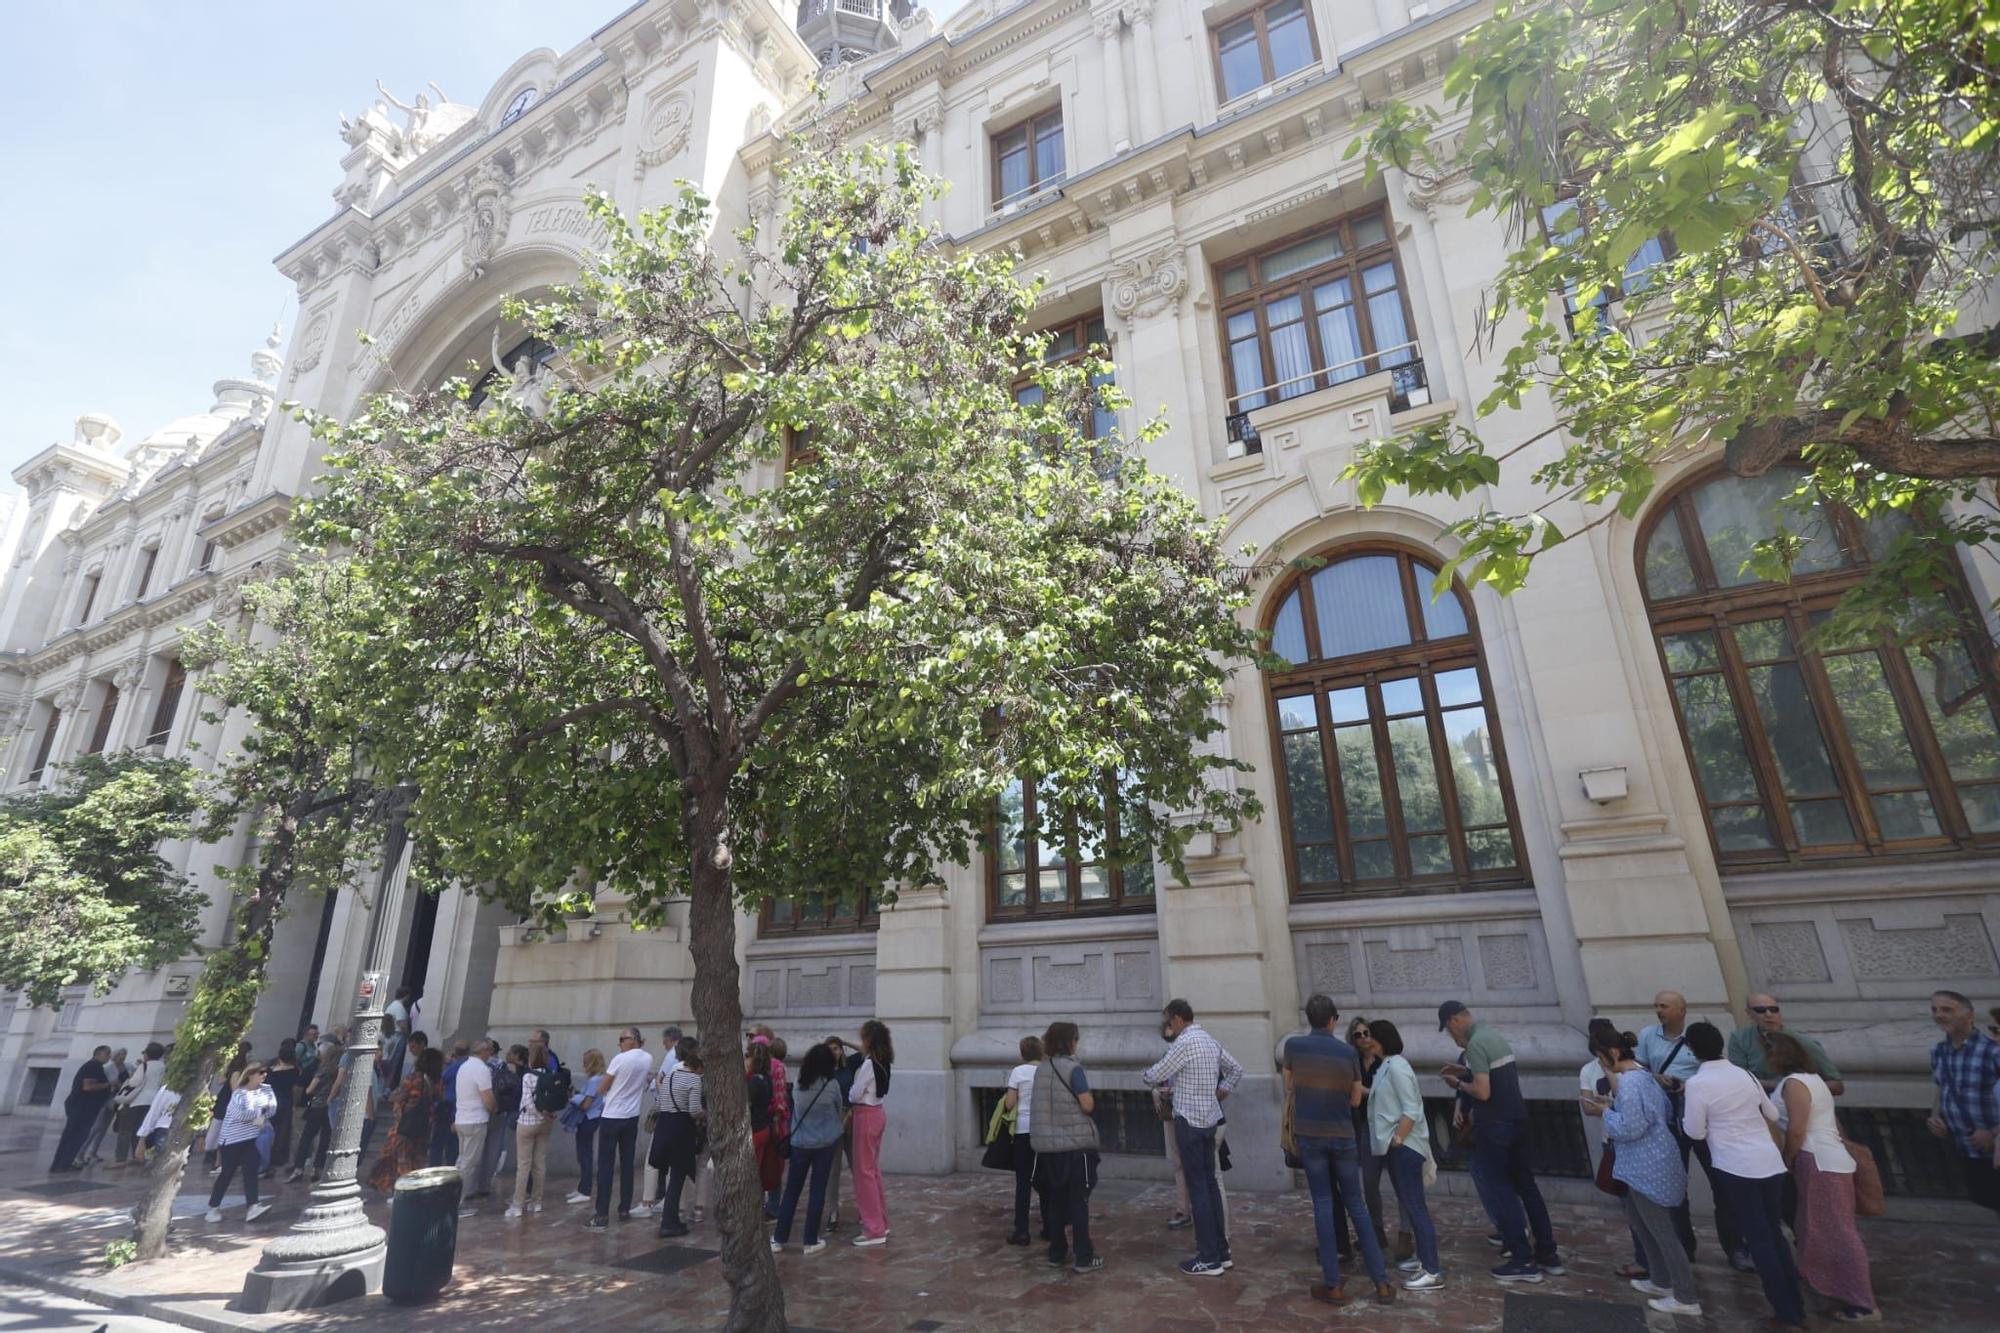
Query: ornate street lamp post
{"x": 333, "y": 1252}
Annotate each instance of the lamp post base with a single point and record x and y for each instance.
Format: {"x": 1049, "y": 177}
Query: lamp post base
{"x": 305, "y": 1284}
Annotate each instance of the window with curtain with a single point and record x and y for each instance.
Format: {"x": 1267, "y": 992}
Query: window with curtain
{"x": 1028, "y": 157}
{"x": 1042, "y": 863}
{"x": 46, "y": 745}
{"x": 1070, "y": 342}
{"x": 1805, "y": 748}
{"x": 170, "y": 703}
{"x": 1263, "y": 46}
{"x": 1313, "y": 311}
{"x": 107, "y": 709}
{"x": 1392, "y": 777}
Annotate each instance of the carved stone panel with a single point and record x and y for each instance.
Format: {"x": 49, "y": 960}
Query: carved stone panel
{"x": 1063, "y": 978}
{"x": 1791, "y": 952}
{"x": 1329, "y": 969}
{"x": 1439, "y": 969}
{"x": 1509, "y": 962}
{"x": 861, "y": 987}
{"x": 794, "y": 984}
{"x": 1501, "y": 960}
{"x": 1960, "y": 947}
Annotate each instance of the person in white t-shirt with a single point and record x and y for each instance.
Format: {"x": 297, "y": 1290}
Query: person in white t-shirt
{"x": 626, "y": 1079}
{"x": 1020, "y": 1090}
{"x": 474, "y": 1114}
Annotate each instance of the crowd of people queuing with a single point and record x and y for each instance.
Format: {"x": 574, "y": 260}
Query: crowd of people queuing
{"x": 1753, "y": 1108}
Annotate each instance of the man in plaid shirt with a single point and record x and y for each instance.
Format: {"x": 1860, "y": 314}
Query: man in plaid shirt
{"x": 1966, "y": 1067}
{"x": 1203, "y": 1075}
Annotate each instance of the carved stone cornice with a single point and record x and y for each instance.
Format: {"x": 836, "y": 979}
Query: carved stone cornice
{"x": 1146, "y": 285}
{"x": 252, "y": 520}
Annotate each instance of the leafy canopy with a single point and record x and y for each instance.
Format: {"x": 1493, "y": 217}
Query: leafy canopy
{"x": 85, "y": 896}
{"x": 607, "y": 635}
{"x": 1773, "y": 223}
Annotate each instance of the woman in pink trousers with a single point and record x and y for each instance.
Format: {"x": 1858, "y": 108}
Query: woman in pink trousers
{"x": 871, "y": 1085}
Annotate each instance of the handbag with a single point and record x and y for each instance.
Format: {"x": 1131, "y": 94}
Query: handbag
{"x": 1868, "y": 1201}
{"x": 1605, "y": 1181}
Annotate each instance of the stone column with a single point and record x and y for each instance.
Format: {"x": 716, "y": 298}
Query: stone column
{"x": 67, "y": 699}
{"x": 913, "y": 995}
{"x": 1152, "y": 116}
{"x": 1109, "y": 25}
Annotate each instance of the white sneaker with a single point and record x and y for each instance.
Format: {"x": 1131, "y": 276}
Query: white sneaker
{"x": 1668, "y": 1305}
{"x": 1424, "y": 1281}
{"x": 212, "y": 1215}
{"x": 777, "y": 1248}
{"x": 535, "y": 1207}
{"x": 512, "y": 1211}
{"x": 1647, "y": 1287}
{"x": 866, "y": 1240}
{"x": 814, "y": 1248}
{"x": 1411, "y": 1266}
{"x": 255, "y": 1211}
{"x": 574, "y": 1197}
{"x": 643, "y": 1210}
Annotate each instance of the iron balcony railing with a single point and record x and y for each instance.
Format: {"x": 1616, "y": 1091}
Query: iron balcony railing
{"x": 1408, "y": 387}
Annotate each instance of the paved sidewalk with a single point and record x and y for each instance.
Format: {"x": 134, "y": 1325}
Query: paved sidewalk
{"x": 946, "y": 1266}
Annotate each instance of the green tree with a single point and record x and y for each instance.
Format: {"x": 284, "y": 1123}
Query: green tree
{"x": 616, "y": 648}
{"x": 313, "y": 814}
{"x": 85, "y": 896}
{"x": 1771, "y": 226}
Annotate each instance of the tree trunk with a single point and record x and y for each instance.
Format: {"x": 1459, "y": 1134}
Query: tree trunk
{"x": 757, "y": 1302}
{"x": 218, "y": 1014}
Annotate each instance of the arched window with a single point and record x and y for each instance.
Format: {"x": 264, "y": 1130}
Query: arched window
{"x": 1393, "y": 775}
{"x": 1805, "y": 750}
{"x": 524, "y": 357}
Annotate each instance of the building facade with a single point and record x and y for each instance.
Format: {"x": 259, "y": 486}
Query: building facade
{"x": 1630, "y": 775}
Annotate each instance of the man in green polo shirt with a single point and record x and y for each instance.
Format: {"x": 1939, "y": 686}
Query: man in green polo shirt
{"x": 1488, "y": 1084}
{"x": 1746, "y": 1045}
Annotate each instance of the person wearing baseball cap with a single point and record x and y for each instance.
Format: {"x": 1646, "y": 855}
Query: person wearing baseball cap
{"x": 1488, "y": 1085}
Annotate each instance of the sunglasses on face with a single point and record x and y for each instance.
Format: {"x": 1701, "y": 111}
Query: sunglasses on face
{"x": 1763, "y": 1008}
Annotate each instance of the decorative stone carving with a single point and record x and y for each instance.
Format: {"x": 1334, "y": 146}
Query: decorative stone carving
{"x": 669, "y": 126}
{"x": 1791, "y": 952}
{"x": 1329, "y": 969}
{"x": 812, "y": 990}
{"x": 312, "y": 343}
{"x": 68, "y": 696}
{"x": 861, "y": 986}
{"x": 1081, "y": 980}
{"x": 1003, "y": 981}
{"x": 1145, "y": 286}
{"x": 1958, "y": 948}
{"x": 129, "y": 675}
{"x": 1508, "y": 961}
{"x": 764, "y": 991}
{"x": 486, "y": 214}
{"x": 1440, "y": 968}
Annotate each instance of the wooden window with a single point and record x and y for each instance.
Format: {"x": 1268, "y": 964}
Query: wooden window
{"x": 207, "y": 556}
{"x": 1565, "y": 220}
{"x": 148, "y": 558}
{"x": 800, "y": 448}
{"x": 1315, "y": 310}
{"x": 819, "y": 914}
{"x": 1072, "y": 341}
{"x": 1028, "y": 157}
{"x": 1391, "y": 774}
{"x": 1805, "y": 750}
{"x": 1262, "y": 46}
{"x": 107, "y": 708}
{"x": 90, "y": 582}
{"x": 46, "y": 745}
{"x": 170, "y": 702}
{"x": 1041, "y": 864}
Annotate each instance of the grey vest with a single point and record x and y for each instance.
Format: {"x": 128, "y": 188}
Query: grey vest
{"x": 1057, "y": 1122}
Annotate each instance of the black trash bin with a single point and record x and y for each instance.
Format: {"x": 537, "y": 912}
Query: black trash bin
{"x": 423, "y": 1234}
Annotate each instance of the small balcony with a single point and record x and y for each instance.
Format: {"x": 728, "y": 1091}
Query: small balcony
{"x": 1408, "y": 387}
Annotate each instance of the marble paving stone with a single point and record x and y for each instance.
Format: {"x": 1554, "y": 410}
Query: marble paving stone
{"x": 947, "y": 1267}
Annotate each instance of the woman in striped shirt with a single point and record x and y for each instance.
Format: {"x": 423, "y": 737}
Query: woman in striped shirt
{"x": 249, "y": 1108}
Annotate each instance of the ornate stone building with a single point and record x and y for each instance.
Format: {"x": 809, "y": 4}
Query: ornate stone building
{"x": 1630, "y": 775}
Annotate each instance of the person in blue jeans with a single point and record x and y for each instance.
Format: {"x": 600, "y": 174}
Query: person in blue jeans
{"x": 1323, "y": 1080}
{"x": 1489, "y": 1083}
{"x": 1202, "y": 1075}
{"x": 819, "y": 1112}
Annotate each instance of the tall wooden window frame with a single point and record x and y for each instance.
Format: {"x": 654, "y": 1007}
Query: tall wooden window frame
{"x": 1425, "y": 658}
{"x": 46, "y": 746}
{"x": 1260, "y": 18}
{"x": 107, "y": 709}
{"x": 1033, "y": 133}
{"x": 1354, "y": 263}
{"x": 171, "y": 689}
{"x": 1073, "y": 340}
{"x": 1652, "y": 254}
{"x": 91, "y": 583}
{"x": 819, "y": 914}
{"x": 1724, "y": 611}
{"x": 149, "y": 560}
{"x": 1128, "y": 889}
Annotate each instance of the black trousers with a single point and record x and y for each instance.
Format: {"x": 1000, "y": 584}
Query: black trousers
{"x": 316, "y": 1129}
{"x": 1982, "y": 1181}
{"x": 619, "y": 1139}
{"x": 1758, "y": 1205}
{"x": 1066, "y": 1195}
{"x": 1024, "y": 1184}
{"x": 237, "y": 1156}
{"x": 77, "y": 1125}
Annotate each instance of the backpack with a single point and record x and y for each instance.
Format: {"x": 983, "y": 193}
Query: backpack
{"x": 507, "y": 1088}
{"x": 552, "y": 1089}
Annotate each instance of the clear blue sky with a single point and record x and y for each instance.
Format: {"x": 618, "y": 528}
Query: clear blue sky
{"x": 155, "y": 156}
